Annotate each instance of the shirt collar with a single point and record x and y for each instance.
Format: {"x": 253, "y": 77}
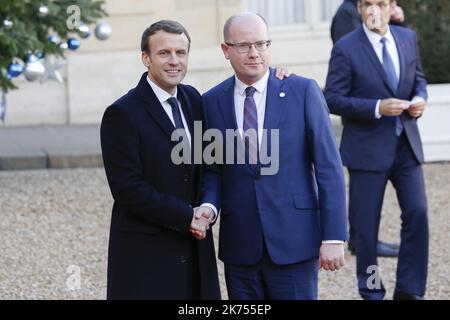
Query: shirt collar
{"x": 161, "y": 94}
{"x": 375, "y": 38}
{"x": 259, "y": 85}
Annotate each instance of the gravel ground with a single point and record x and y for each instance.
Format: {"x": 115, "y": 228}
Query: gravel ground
{"x": 54, "y": 226}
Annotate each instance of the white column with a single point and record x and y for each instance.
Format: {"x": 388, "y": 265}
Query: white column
{"x": 313, "y": 12}
{"x": 329, "y": 8}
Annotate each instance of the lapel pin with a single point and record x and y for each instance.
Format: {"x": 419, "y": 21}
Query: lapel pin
{"x": 282, "y": 94}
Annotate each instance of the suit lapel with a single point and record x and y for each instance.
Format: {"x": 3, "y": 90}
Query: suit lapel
{"x": 153, "y": 106}
{"x": 187, "y": 108}
{"x": 370, "y": 52}
{"x": 226, "y": 103}
{"x": 274, "y": 102}
{"x": 156, "y": 111}
{"x": 402, "y": 56}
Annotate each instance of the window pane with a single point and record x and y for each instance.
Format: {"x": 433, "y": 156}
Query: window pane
{"x": 280, "y": 12}
{"x": 329, "y": 8}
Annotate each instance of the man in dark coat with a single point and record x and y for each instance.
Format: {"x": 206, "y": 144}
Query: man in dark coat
{"x": 158, "y": 249}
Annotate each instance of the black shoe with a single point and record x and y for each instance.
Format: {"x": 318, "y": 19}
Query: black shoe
{"x": 407, "y": 296}
{"x": 390, "y": 244}
{"x": 384, "y": 249}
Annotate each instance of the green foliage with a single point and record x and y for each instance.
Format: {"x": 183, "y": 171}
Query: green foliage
{"x": 29, "y": 32}
{"x": 431, "y": 20}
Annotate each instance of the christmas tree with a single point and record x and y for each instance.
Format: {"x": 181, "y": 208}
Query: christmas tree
{"x": 431, "y": 20}
{"x": 38, "y": 28}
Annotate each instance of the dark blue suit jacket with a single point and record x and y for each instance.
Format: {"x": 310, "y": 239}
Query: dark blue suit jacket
{"x": 356, "y": 80}
{"x": 346, "y": 19}
{"x": 295, "y": 209}
{"x": 153, "y": 200}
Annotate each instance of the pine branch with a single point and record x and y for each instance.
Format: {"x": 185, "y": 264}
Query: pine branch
{"x": 29, "y": 32}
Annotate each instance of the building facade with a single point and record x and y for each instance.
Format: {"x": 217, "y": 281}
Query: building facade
{"x": 101, "y": 71}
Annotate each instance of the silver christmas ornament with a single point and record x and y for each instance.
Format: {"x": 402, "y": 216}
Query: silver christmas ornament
{"x": 63, "y": 45}
{"x": 103, "y": 31}
{"x": 85, "y": 31}
{"x": 42, "y": 11}
{"x": 33, "y": 70}
{"x": 8, "y": 24}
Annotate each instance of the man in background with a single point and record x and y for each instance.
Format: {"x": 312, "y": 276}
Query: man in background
{"x": 347, "y": 19}
{"x": 376, "y": 84}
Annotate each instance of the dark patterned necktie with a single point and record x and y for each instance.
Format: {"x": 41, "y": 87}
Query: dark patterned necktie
{"x": 251, "y": 123}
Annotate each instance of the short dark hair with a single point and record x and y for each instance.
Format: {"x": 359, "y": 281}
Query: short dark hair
{"x": 390, "y": 1}
{"x": 168, "y": 26}
{"x": 229, "y": 22}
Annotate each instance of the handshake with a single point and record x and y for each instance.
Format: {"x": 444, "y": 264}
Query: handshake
{"x": 202, "y": 218}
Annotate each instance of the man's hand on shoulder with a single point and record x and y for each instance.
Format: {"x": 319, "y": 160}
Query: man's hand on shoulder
{"x": 282, "y": 73}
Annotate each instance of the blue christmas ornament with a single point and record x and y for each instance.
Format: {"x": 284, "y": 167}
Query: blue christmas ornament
{"x": 40, "y": 54}
{"x": 53, "y": 38}
{"x": 15, "y": 69}
{"x": 73, "y": 43}
{"x": 30, "y": 58}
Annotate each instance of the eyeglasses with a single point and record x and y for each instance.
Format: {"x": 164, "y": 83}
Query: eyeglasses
{"x": 245, "y": 47}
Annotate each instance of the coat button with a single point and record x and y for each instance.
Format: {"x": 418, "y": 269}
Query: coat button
{"x": 186, "y": 178}
{"x": 183, "y": 259}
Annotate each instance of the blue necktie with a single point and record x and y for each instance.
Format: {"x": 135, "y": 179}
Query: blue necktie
{"x": 251, "y": 123}
{"x": 389, "y": 69}
{"x": 176, "y": 113}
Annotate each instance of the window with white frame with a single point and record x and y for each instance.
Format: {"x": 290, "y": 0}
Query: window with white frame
{"x": 329, "y": 8}
{"x": 279, "y": 12}
{"x": 294, "y": 12}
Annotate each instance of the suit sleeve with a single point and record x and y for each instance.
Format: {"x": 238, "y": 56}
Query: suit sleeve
{"x": 344, "y": 22}
{"x": 327, "y": 165}
{"x": 421, "y": 83}
{"x": 120, "y": 151}
{"x": 212, "y": 178}
{"x": 338, "y": 89}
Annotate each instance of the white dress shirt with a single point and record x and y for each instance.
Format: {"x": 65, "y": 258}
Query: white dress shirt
{"x": 260, "y": 97}
{"x": 391, "y": 46}
{"x": 375, "y": 41}
{"x": 162, "y": 96}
